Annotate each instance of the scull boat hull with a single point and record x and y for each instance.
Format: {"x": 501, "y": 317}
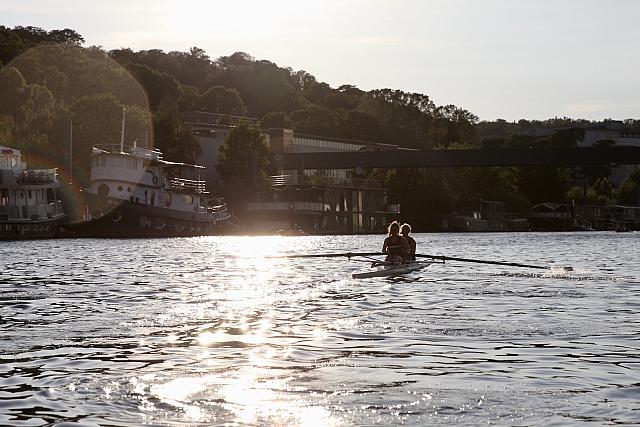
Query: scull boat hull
{"x": 393, "y": 270}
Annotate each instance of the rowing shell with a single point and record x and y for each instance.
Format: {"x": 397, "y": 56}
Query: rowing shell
{"x": 393, "y": 270}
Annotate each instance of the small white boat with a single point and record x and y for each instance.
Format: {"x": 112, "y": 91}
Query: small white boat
{"x": 392, "y": 270}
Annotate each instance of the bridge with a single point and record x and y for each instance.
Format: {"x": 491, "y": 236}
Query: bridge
{"x": 587, "y": 156}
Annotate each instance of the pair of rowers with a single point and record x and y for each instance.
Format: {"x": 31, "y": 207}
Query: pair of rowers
{"x": 399, "y": 247}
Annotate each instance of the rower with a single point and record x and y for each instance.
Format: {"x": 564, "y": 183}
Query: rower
{"x": 395, "y": 246}
{"x": 405, "y": 230}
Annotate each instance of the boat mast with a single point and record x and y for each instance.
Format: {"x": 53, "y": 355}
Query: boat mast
{"x": 71, "y": 151}
{"x": 124, "y": 111}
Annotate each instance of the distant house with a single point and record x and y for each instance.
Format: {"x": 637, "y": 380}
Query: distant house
{"x": 211, "y": 130}
{"x": 552, "y": 217}
{"x": 480, "y": 216}
{"x": 566, "y": 217}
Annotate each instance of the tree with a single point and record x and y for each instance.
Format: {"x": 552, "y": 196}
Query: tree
{"x": 159, "y": 87}
{"x": 365, "y": 126}
{"x": 244, "y": 157}
{"x": 97, "y": 119}
{"x": 544, "y": 184}
{"x": 318, "y": 121}
{"x": 66, "y": 36}
{"x": 13, "y": 87}
{"x": 174, "y": 139}
{"x": 219, "y": 99}
{"x": 276, "y": 120}
{"x": 628, "y": 193}
{"x": 10, "y": 45}
{"x": 195, "y": 66}
{"x": 422, "y": 195}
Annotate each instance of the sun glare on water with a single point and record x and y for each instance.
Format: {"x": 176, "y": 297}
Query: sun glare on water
{"x": 237, "y": 341}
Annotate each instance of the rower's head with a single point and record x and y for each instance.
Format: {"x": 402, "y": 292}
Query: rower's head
{"x": 394, "y": 228}
{"x": 405, "y": 230}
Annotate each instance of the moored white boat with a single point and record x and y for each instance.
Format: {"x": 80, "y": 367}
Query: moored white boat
{"x": 30, "y": 206}
{"x": 134, "y": 192}
{"x": 392, "y": 270}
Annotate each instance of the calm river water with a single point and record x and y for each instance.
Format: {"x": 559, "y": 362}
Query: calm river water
{"x": 205, "y": 331}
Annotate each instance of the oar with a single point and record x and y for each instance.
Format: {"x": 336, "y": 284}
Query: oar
{"x": 329, "y": 255}
{"x": 481, "y": 261}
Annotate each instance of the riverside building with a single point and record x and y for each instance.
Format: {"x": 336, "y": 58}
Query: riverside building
{"x": 328, "y": 201}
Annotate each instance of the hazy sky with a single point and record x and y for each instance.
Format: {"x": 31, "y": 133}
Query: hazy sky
{"x": 508, "y": 59}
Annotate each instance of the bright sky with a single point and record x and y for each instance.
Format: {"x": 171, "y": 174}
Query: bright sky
{"x": 507, "y": 59}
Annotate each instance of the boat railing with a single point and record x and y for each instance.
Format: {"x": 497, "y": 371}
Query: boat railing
{"x": 36, "y": 176}
{"x": 141, "y": 152}
{"x": 186, "y": 185}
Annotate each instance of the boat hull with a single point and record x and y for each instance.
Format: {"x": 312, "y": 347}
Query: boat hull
{"x": 393, "y": 270}
{"x": 21, "y": 230}
{"x": 121, "y": 218}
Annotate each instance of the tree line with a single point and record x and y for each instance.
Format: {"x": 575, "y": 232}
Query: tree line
{"x": 48, "y": 81}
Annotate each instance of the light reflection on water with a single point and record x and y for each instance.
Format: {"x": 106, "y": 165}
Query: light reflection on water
{"x": 207, "y": 331}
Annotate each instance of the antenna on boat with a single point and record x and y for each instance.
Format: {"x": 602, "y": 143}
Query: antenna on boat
{"x": 124, "y": 111}
{"x": 71, "y": 151}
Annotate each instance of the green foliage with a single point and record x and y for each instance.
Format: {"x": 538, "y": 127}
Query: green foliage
{"x": 219, "y": 99}
{"x": 628, "y": 193}
{"x": 161, "y": 88}
{"x": 317, "y": 121}
{"x": 244, "y": 156}
{"x": 263, "y": 86}
{"x": 46, "y": 87}
{"x": 174, "y": 139}
{"x": 15, "y": 41}
{"x": 10, "y": 45}
{"x": 421, "y": 193}
{"x": 576, "y": 195}
{"x": 544, "y": 184}
{"x": 364, "y": 126}
{"x": 71, "y": 72}
{"x": 276, "y": 120}
{"x": 6, "y": 130}
{"x": 13, "y": 87}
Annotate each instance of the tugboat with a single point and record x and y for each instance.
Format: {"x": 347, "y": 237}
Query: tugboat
{"x": 30, "y": 207}
{"x": 133, "y": 192}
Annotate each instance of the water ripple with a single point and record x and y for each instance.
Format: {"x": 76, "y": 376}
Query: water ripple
{"x": 184, "y": 332}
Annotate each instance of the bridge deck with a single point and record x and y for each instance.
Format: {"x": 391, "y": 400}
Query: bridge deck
{"x": 463, "y": 158}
